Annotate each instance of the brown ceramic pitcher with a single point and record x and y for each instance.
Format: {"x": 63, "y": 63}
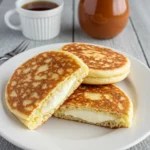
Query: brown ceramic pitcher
{"x": 103, "y": 19}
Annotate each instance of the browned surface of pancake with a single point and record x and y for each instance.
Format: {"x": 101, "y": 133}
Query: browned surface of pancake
{"x": 97, "y": 57}
{"x": 103, "y": 97}
{"x": 32, "y": 81}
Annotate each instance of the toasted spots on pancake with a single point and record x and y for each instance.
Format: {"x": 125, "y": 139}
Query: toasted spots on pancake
{"x": 40, "y": 77}
{"x": 109, "y": 60}
{"x": 60, "y": 71}
{"x": 122, "y": 98}
{"x": 13, "y": 94}
{"x": 28, "y": 78}
{"x": 24, "y": 95}
{"x": 97, "y": 57}
{"x": 90, "y": 53}
{"x": 48, "y": 60}
{"x": 44, "y": 54}
{"x": 33, "y": 63}
{"x": 66, "y": 47}
{"x": 44, "y": 86}
{"x": 26, "y": 102}
{"x": 106, "y": 65}
{"x": 26, "y": 70}
{"x": 93, "y": 96}
{"x": 69, "y": 70}
{"x": 14, "y": 104}
{"x": 36, "y": 103}
{"x": 18, "y": 71}
{"x": 55, "y": 76}
{"x": 120, "y": 106}
{"x": 13, "y": 83}
{"x": 104, "y": 97}
{"x": 29, "y": 108}
{"x": 42, "y": 68}
{"x": 34, "y": 95}
{"x": 34, "y": 84}
{"x": 108, "y": 97}
{"x": 25, "y": 84}
{"x": 34, "y": 67}
{"x": 56, "y": 65}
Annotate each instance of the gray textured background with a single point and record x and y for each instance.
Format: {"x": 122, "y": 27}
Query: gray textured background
{"x": 135, "y": 40}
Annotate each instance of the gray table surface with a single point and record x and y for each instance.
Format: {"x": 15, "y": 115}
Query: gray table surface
{"x": 135, "y": 40}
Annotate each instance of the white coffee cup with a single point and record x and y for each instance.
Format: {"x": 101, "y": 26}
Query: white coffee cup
{"x": 37, "y": 25}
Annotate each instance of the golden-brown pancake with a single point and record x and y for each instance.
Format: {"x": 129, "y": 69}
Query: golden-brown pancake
{"x": 103, "y": 105}
{"x": 105, "y": 65}
{"x": 39, "y": 86}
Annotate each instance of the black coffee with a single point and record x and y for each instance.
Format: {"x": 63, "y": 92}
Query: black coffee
{"x": 40, "y": 5}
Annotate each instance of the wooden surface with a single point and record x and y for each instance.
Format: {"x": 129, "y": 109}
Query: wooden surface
{"x": 135, "y": 40}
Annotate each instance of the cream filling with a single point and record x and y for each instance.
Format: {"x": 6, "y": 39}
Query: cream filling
{"x": 59, "y": 96}
{"x": 90, "y": 116}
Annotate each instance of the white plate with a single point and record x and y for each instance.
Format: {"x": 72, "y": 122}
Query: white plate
{"x": 59, "y": 134}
